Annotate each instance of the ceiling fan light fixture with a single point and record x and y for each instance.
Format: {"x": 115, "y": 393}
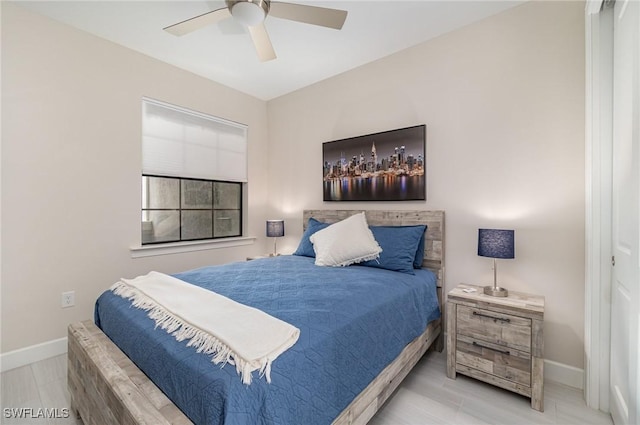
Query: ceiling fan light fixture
{"x": 249, "y": 13}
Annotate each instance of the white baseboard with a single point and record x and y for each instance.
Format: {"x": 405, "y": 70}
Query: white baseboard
{"x": 564, "y": 374}
{"x": 35, "y": 353}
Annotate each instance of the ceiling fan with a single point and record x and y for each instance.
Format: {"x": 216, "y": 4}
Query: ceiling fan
{"x": 252, "y": 13}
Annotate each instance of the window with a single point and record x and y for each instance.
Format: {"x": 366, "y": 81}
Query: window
{"x": 194, "y": 169}
{"x": 179, "y": 209}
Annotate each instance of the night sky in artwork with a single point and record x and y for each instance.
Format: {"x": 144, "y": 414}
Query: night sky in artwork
{"x": 412, "y": 138}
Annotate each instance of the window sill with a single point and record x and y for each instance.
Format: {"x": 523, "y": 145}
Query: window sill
{"x": 181, "y": 247}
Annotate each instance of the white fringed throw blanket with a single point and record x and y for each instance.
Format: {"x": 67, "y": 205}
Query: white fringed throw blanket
{"x": 231, "y": 332}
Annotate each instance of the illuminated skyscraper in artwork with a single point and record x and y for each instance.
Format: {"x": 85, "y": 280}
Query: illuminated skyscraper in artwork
{"x": 374, "y": 154}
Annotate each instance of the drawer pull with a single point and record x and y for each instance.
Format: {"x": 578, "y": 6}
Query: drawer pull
{"x": 475, "y": 313}
{"x": 492, "y": 349}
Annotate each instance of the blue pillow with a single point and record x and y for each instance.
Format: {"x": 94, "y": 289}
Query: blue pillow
{"x": 305, "y": 248}
{"x": 417, "y": 262}
{"x": 399, "y": 247}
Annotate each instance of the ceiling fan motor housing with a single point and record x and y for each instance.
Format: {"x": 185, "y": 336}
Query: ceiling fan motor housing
{"x": 249, "y": 12}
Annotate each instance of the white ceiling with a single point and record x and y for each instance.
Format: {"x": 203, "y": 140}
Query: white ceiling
{"x": 307, "y": 54}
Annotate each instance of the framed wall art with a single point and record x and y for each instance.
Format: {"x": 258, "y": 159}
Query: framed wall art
{"x": 386, "y": 166}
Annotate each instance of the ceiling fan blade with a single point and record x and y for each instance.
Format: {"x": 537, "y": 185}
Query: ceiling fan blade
{"x": 262, "y": 42}
{"x": 200, "y": 21}
{"x": 322, "y": 16}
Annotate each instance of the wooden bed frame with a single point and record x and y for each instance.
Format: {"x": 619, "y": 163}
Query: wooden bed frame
{"x": 107, "y": 388}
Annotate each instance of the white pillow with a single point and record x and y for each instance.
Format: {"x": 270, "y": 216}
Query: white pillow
{"x": 346, "y": 242}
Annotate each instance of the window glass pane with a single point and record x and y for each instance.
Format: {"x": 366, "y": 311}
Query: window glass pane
{"x": 226, "y": 223}
{"x": 197, "y": 194}
{"x": 176, "y": 209}
{"x": 160, "y": 226}
{"x": 160, "y": 193}
{"x": 226, "y": 195}
{"x": 197, "y": 225}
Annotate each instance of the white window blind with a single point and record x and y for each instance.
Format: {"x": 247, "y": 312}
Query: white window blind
{"x": 178, "y": 142}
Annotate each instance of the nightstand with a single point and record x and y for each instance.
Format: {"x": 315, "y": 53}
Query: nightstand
{"x": 497, "y": 340}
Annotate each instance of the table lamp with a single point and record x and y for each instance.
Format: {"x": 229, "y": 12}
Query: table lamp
{"x": 496, "y": 243}
{"x": 275, "y": 229}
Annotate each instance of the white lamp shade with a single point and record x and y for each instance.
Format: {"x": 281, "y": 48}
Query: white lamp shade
{"x": 249, "y": 14}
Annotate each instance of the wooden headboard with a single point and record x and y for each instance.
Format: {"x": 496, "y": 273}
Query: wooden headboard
{"x": 434, "y": 235}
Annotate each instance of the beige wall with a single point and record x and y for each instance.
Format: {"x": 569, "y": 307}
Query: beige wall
{"x": 71, "y": 137}
{"x": 502, "y": 100}
{"x": 504, "y": 107}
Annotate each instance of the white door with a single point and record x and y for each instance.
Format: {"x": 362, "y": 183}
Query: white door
{"x": 625, "y": 351}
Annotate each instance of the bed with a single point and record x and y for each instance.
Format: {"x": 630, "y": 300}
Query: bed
{"x": 107, "y": 387}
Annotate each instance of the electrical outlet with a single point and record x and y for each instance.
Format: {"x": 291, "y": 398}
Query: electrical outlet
{"x": 68, "y": 299}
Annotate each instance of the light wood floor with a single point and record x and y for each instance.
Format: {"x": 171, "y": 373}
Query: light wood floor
{"x": 427, "y": 396}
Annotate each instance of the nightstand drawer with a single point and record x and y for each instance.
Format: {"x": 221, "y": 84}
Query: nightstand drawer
{"x": 494, "y": 359}
{"x": 494, "y": 328}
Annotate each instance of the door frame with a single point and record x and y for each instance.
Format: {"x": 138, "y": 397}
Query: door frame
{"x": 598, "y": 185}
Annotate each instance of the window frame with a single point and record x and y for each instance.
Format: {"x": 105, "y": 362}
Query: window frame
{"x": 223, "y": 132}
{"x": 180, "y": 209}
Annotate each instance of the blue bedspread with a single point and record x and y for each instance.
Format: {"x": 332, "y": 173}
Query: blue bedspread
{"x": 353, "y": 321}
